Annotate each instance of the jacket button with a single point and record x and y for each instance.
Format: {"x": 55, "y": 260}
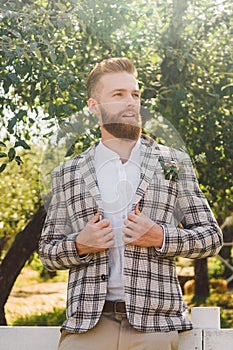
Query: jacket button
{"x": 103, "y": 277}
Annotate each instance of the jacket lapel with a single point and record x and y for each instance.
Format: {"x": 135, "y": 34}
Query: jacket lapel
{"x": 87, "y": 169}
{"x": 150, "y": 153}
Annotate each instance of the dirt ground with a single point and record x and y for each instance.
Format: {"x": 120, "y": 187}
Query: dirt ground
{"x": 34, "y": 297}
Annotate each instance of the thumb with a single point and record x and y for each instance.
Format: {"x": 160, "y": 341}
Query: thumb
{"x": 95, "y": 218}
{"x": 136, "y": 209}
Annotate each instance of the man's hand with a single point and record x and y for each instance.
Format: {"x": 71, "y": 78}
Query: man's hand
{"x": 141, "y": 231}
{"x": 96, "y": 236}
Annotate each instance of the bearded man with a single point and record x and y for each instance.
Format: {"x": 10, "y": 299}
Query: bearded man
{"x": 117, "y": 221}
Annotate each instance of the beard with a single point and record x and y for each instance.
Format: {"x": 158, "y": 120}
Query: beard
{"x": 121, "y": 130}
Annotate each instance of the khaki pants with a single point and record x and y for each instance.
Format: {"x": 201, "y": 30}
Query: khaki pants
{"x": 113, "y": 332}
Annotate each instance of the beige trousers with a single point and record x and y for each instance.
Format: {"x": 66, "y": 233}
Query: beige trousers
{"x": 113, "y": 332}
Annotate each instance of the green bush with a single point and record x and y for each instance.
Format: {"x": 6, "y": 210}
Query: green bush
{"x": 52, "y": 318}
{"x": 36, "y": 265}
{"x": 226, "y": 318}
{"x": 215, "y": 267}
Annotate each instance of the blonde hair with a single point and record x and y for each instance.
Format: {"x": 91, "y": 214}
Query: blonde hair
{"x": 110, "y": 65}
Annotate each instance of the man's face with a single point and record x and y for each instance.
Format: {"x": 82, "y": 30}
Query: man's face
{"x": 118, "y": 100}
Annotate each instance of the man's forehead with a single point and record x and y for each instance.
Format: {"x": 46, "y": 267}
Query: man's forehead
{"x": 118, "y": 81}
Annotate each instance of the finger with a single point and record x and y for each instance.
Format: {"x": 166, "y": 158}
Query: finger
{"x": 103, "y": 223}
{"x": 128, "y": 232}
{"x": 132, "y": 217}
{"x": 128, "y": 239}
{"x": 107, "y": 240}
{"x": 109, "y": 237}
{"x": 132, "y": 225}
{"x": 106, "y": 231}
{"x": 109, "y": 244}
{"x": 136, "y": 209}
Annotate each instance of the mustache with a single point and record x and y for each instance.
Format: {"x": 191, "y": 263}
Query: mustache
{"x": 130, "y": 111}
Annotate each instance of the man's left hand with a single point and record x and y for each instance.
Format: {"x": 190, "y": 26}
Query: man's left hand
{"x": 141, "y": 231}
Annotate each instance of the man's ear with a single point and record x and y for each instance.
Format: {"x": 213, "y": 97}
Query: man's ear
{"x": 93, "y": 106}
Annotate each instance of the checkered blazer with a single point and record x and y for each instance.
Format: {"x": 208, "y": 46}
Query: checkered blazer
{"x": 152, "y": 292}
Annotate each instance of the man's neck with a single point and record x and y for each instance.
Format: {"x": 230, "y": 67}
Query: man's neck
{"x": 121, "y": 146}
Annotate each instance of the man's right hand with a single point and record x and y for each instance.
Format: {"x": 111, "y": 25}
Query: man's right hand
{"x": 96, "y": 236}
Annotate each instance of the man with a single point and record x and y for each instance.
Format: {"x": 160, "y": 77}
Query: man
{"x": 120, "y": 212}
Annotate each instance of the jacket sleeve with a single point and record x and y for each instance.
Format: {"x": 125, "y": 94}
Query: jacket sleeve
{"x": 196, "y": 234}
{"x": 57, "y": 249}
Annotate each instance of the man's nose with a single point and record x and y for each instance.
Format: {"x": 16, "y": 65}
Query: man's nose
{"x": 130, "y": 100}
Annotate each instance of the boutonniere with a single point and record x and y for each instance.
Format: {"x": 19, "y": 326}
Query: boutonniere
{"x": 171, "y": 170}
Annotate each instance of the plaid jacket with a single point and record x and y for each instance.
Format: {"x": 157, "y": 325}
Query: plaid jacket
{"x": 152, "y": 292}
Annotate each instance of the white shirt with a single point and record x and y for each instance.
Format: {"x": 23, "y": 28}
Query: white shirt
{"x": 117, "y": 183}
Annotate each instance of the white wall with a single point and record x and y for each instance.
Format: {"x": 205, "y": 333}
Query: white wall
{"x": 206, "y": 335}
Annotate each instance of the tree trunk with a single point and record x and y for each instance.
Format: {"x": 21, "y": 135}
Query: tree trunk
{"x": 227, "y": 229}
{"x": 24, "y": 245}
{"x": 202, "y": 290}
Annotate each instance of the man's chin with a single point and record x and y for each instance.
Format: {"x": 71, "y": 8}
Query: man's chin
{"x": 123, "y": 131}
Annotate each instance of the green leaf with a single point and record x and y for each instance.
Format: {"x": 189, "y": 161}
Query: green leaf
{"x": 53, "y": 56}
{"x": 22, "y": 143}
{"x": 2, "y": 167}
{"x": 21, "y": 114}
{"x": 14, "y": 78}
{"x": 6, "y": 85}
{"x": 11, "y": 124}
{"x": 2, "y": 144}
{"x": 3, "y": 155}
{"x": 13, "y": 121}
{"x": 70, "y": 52}
{"x": 18, "y": 160}
{"x": 11, "y": 154}
{"x": 38, "y": 53}
{"x": 149, "y": 12}
{"x": 70, "y": 151}
{"x": 16, "y": 33}
{"x": 226, "y": 86}
{"x": 51, "y": 109}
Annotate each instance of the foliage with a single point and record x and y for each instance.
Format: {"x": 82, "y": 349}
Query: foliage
{"x": 226, "y": 318}
{"x": 45, "y": 275}
{"x": 183, "y": 51}
{"x": 52, "y": 318}
{"x": 223, "y": 300}
{"x": 20, "y": 197}
{"x": 215, "y": 268}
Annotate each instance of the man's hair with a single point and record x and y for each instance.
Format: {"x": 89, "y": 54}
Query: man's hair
{"x": 110, "y": 65}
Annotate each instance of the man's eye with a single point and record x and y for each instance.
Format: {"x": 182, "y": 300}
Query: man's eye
{"x": 118, "y": 94}
{"x": 136, "y": 95}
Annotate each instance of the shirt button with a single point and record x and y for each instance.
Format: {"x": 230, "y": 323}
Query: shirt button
{"x": 103, "y": 277}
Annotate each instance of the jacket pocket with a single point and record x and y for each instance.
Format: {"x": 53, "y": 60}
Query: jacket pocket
{"x": 166, "y": 294}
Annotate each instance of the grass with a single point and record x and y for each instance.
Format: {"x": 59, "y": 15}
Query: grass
{"x": 53, "y": 318}
{"x": 33, "y": 298}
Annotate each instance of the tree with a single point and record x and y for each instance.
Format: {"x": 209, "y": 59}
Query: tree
{"x": 182, "y": 50}
{"x": 23, "y": 246}
{"x": 183, "y": 53}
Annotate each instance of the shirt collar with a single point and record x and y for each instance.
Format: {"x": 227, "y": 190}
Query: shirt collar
{"x": 106, "y": 153}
